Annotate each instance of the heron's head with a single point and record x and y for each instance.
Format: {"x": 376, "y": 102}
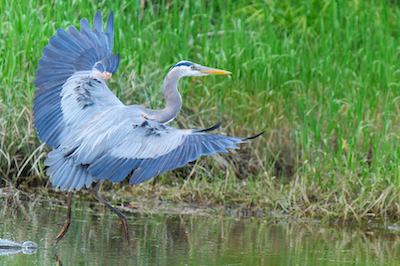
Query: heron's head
{"x": 189, "y": 69}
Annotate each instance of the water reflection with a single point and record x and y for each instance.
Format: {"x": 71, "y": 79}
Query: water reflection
{"x": 192, "y": 239}
{"x": 8, "y": 247}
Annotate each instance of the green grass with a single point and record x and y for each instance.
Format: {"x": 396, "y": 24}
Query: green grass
{"x": 321, "y": 77}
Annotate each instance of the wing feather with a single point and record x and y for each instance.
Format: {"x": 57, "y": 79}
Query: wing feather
{"x": 97, "y": 167}
{"x": 54, "y": 63}
{"x": 77, "y": 57}
{"x": 57, "y": 178}
{"x": 71, "y": 41}
{"x": 97, "y": 23}
{"x": 81, "y": 178}
{"x": 77, "y": 178}
{"x": 110, "y": 31}
{"x": 124, "y": 170}
{"x": 69, "y": 175}
{"x": 74, "y": 32}
{"x": 49, "y": 82}
{"x": 65, "y": 174}
{"x": 144, "y": 172}
{"x": 55, "y": 72}
{"x": 60, "y": 44}
{"x": 85, "y": 30}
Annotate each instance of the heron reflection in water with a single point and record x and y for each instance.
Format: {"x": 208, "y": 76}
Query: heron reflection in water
{"x": 93, "y": 135}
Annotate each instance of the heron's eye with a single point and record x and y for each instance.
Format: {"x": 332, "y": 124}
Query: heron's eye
{"x": 192, "y": 67}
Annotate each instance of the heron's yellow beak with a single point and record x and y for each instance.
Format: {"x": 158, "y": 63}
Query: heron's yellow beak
{"x": 214, "y": 71}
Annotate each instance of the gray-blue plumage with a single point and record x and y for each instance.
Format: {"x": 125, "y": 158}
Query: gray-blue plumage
{"x": 94, "y": 136}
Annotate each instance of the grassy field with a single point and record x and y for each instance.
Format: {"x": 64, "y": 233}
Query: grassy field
{"x": 321, "y": 77}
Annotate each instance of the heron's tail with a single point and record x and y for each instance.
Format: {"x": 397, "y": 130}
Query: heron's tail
{"x": 66, "y": 54}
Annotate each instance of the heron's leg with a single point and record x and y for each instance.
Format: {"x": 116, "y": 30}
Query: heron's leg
{"x": 64, "y": 230}
{"x": 120, "y": 215}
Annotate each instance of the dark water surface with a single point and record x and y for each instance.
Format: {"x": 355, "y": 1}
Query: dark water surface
{"x": 193, "y": 238}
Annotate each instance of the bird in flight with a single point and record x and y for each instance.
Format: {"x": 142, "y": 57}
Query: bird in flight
{"x": 93, "y": 135}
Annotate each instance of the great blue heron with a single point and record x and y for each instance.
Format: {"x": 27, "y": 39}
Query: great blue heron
{"x": 96, "y": 137}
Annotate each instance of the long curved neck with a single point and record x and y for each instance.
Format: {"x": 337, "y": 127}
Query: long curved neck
{"x": 172, "y": 98}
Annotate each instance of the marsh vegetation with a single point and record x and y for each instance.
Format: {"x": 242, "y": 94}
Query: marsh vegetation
{"x": 321, "y": 77}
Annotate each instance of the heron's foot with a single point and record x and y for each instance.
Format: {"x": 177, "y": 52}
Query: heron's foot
{"x": 64, "y": 230}
{"x": 126, "y": 228}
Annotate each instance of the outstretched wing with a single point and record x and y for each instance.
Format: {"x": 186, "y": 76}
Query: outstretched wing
{"x": 132, "y": 143}
{"x": 151, "y": 149}
{"x": 71, "y": 78}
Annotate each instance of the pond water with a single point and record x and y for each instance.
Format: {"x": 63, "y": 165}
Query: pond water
{"x": 189, "y": 237}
